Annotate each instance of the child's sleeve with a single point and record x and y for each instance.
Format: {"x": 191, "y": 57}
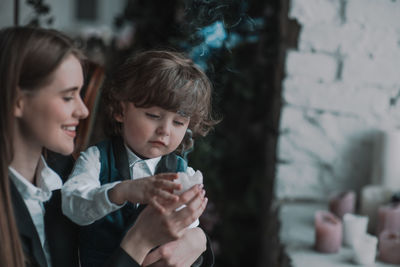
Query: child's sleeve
{"x": 84, "y": 199}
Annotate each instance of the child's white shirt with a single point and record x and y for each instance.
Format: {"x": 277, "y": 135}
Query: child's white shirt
{"x": 85, "y": 200}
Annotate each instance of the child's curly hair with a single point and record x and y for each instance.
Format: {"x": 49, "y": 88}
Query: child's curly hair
{"x": 165, "y": 79}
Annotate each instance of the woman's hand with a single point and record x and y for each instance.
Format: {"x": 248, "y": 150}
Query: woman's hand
{"x": 154, "y": 190}
{"x": 179, "y": 253}
{"x": 154, "y": 227}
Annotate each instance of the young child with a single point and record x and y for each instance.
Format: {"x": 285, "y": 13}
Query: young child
{"x": 156, "y": 101}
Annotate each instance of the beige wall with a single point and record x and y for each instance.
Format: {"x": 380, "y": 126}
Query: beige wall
{"x": 63, "y": 12}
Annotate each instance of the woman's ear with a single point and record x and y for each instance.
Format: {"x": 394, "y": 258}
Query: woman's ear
{"x": 19, "y": 104}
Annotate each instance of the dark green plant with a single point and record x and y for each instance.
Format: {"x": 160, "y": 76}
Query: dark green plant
{"x": 41, "y": 10}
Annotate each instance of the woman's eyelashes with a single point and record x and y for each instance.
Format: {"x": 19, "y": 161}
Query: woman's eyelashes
{"x": 71, "y": 95}
{"x": 67, "y": 98}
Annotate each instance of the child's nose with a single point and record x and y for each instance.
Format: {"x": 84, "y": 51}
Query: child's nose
{"x": 164, "y": 129}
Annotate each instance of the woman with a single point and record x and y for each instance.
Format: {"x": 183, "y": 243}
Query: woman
{"x": 41, "y": 79}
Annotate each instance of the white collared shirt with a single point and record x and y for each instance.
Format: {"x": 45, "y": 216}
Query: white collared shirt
{"x": 34, "y": 196}
{"x": 139, "y": 168}
{"x": 85, "y": 200}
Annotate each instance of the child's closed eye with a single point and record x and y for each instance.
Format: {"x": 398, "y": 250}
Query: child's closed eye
{"x": 152, "y": 115}
{"x": 180, "y": 123}
{"x": 181, "y": 120}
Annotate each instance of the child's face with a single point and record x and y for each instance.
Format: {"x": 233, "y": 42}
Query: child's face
{"x": 151, "y": 132}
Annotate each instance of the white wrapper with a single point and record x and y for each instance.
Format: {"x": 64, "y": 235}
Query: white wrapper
{"x": 188, "y": 181}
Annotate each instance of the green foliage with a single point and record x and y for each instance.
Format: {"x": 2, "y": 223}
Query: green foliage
{"x": 41, "y": 15}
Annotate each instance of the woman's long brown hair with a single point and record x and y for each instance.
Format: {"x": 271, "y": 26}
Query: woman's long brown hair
{"x": 28, "y": 58}
{"x": 11, "y": 253}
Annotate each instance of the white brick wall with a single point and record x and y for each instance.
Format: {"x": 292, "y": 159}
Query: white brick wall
{"x": 337, "y": 93}
{"x": 314, "y": 66}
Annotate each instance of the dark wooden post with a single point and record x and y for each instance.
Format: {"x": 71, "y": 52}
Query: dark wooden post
{"x": 16, "y": 12}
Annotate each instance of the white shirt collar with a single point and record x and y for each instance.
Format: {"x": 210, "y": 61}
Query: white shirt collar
{"x": 133, "y": 159}
{"x": 46, "y": 181}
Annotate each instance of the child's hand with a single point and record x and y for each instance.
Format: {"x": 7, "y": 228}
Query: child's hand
{"x": 154, "y": 190}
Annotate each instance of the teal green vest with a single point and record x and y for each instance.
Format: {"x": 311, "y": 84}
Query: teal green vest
{"x": 100, "y": 239}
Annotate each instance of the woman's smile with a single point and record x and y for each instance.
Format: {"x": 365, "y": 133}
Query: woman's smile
{"x": 70, "y": 130}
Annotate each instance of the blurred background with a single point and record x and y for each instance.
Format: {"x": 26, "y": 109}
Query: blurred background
{"x": 303, "y": 88}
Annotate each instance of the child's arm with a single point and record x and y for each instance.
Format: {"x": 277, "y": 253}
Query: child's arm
{"x": 149, "y": 190}
{"x": 84, "y": 199}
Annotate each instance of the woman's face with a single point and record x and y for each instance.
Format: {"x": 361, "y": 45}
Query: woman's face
{"x": 48, "y": 117}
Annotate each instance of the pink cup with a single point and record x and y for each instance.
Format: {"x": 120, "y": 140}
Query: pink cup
{"x": 328, "y": 232}
{"x": 342, "y": 203}
{"x": 389, "y": 218}
{"x": 389, "y": 247}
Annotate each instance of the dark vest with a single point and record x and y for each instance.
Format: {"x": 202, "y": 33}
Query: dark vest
{"x": 100, "y": 239}
{"x": 61, "y": 233}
